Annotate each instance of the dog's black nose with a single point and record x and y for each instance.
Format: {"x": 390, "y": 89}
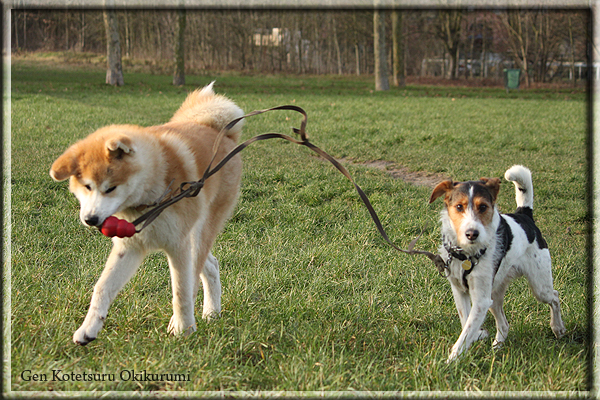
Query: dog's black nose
{"x": 92, "y": 221}
{"x": 472, "y": 234}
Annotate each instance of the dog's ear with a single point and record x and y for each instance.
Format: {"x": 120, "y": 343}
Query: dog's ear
{"x": 493, "y": 185}
{"x": 118, "y": 147}
{"x": 441, "y": 189}
{"x": 65, "y": 165}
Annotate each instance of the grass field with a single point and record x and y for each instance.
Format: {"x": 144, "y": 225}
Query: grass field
{"x": 313, "y": 299}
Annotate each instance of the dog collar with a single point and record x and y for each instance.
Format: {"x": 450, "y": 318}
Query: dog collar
{"x": 468, "y": 262}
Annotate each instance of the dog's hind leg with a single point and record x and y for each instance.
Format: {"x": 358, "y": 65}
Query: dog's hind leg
{"x": 211, "y": 284}
{"x": 539, "y": 276}
{"x": 120, "y": 267}
{"x": 183, "y": 320}
{"x": 497, "y": 310}
{"x": 206, "y": 264}
{"x": 206, "y": 270}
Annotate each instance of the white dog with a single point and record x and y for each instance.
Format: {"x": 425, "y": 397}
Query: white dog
{"x": 485, "y": 250}
{"x": 121, "y": 169}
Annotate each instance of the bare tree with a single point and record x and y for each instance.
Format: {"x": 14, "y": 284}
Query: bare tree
{"x": 336, "y": 43}
{"x": 517, "y": 26}
{"x": 114, "y": 72}
{"x": 179, "y": 73}
{"x": 397, "y": 49}
{"x": 448, "y": 29}
{"x": 315, "y": 42}
{"x": 381, "y": 73}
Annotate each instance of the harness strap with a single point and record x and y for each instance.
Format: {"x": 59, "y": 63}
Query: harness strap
{"x": 191, "y": 189}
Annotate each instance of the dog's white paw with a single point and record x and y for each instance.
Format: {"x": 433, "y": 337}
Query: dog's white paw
{"x": 211, "y": 315}
{"x": 179, "y": 327}
{"x": 452, "y": 357}
{"x": 497, "y": 345}
{"x": 483, "y": 334}
{"x": 559, "y": 331}
{"x": 454, "y": 354}
{"x": 87, "y": 332}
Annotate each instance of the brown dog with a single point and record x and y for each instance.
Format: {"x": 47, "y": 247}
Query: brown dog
{"x": 120, "y": 169}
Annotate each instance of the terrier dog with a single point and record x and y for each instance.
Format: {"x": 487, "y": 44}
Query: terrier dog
{"x": 485, "y": 250}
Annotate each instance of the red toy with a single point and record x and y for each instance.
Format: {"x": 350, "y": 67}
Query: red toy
{"x": 114, "y": 226}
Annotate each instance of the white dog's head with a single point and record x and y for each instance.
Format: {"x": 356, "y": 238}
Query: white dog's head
{"x": 470, "y": 210}
{"x": 99, "y": 168}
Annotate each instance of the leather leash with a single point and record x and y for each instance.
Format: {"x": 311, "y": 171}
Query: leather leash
{"x": 191, "y": 189}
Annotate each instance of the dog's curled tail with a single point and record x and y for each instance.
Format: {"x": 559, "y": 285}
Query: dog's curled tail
{"x": 521, "y": 177}
{"x": 204, "y": 107}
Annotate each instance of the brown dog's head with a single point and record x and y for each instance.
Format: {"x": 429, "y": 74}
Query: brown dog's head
{"x": 98, "y": 167}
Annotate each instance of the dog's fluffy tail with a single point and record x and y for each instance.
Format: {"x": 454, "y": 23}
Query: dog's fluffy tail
{"x": 521, "y": 177}
{"x": 204, "y": 107}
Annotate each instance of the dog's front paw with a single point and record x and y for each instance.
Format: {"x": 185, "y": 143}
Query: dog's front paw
{"x": 498, "y": 344}
{"x": 454, "y": 353}
{"x": 87, "y": 332}
{"x": 559, "y": 331}
{"x": 179, "y": 327}
{"x": 452, "y": 357}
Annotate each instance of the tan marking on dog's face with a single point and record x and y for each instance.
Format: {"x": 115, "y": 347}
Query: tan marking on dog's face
{"x": 469, "y": 200}
{"x": 470, "y": 205}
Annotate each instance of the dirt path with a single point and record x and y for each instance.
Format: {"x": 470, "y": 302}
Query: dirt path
{"x": 419, "y": 178}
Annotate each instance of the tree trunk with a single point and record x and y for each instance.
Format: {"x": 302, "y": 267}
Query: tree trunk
{"x": 381, "y": 74}
{"x": 24, "y": 30}
{"x": 484, "y": 66}
{"x": 518, "y": 40}
{"x": 397, "y": 49}
{"x": 179, "y": 74}
{"x": 469, "y": 61}
{"x": 127, "y": 36}
{"x": 357, "y": 54}
{"x": 114, "y": 72}
{"x": 448, "y": 29}
{"x": 82, "y": 33}
{"x": 337, "y": 47}
{"x": 572, "y": 54}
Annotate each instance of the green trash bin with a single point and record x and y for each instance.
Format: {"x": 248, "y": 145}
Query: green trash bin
{"x": 512, "y": 78}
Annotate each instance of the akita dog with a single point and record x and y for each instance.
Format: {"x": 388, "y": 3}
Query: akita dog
{"x": 121, "y": 169}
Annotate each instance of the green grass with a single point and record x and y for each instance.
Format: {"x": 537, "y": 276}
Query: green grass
{"x": 313, "y": 299}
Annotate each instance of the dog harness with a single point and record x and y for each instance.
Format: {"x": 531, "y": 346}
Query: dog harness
{"x": 468, "y": 262}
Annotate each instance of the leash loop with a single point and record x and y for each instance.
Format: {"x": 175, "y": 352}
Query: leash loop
{"x": 193, "y": 188}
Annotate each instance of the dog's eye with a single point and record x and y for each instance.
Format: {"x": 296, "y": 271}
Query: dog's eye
{"x": 110, "y": 189}
{"x": 88, "y": 187}
{"x": 459, "y": 208}
{"x": 483, "y": 208}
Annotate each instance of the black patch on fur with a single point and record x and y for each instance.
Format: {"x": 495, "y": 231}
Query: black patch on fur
{"x": 525, "y": 211}
{"x": 505, "y": 239}
{"x": 479, "y": 190}
{"x": 524, "y": 217}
